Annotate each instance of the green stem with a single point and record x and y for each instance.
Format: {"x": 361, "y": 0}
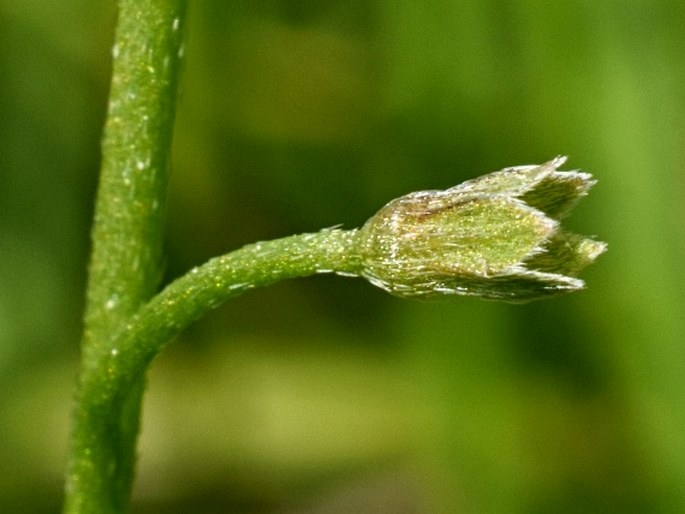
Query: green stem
{"x": 127, "y": 234}
{"x": 106, "y": 392}
{"x": 204, "y": 288}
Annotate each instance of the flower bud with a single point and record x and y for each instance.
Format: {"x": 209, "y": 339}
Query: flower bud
{"x": 497, "y": 236}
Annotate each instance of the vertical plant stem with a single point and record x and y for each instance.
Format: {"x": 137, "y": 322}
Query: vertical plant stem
{"x": 127, "y": 236}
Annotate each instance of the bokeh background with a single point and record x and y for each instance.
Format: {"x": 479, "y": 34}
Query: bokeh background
{"x": 325, "y": 395}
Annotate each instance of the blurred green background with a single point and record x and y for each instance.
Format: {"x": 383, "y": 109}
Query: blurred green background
{"x": 325, "y": 395}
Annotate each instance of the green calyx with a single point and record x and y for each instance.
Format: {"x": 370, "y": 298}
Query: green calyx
{"x": 497, "y": 236}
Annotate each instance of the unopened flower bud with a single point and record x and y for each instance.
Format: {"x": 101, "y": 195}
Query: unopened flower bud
{"x": 497, "y": 236}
